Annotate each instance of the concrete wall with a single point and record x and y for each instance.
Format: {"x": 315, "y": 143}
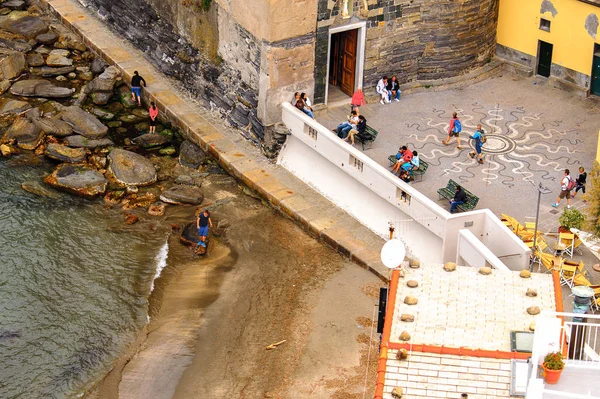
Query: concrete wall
{"x": 573, "y": 33}
{"x": 368, "y": 192}
{"x": 416, "y": 40}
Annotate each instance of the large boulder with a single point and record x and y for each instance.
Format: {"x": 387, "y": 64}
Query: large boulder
{"x": 47, "y": 72}
{"x": 150, "y": 140}
{"x": 84, "y": 142}
{"x": 191, "y": 155}
{"x": 25, "y": 133}
{"x": 65, "y": 154}
{"x": 98, "y": 66}
{"x": 12, "y": 63}
{"x": 101, "y": 89}
{"x": 181, "y": 195}
{"x": 77, "y": 179}
{"x": 130, "y": 168}
{"x": 40, "y": 88}
{"x": 83, "y": 122}
{"x": 28, "y": 26}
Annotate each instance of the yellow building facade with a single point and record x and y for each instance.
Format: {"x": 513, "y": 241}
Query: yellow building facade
{"x": 558, "y": 39}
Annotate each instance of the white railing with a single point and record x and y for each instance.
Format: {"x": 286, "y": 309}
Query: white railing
{"x": 375, "y": 197}
{"x": 582, "y": 340}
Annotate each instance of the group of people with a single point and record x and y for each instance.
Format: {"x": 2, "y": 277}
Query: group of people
{"x": 388, "y": 89}
{"x": 567, "y": 184}
{"x": 454, "y": 129}
{"x": 136, "y": 94}
{"x": 355, "y": 125}
{"x": 302, "y": 102}
{"x": 406, "y": 162}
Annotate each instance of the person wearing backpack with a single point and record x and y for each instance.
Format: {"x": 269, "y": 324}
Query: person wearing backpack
{"x": 479, "y": 137}
{"x": 454, "y": 130}
{"x": 566, "y": 185}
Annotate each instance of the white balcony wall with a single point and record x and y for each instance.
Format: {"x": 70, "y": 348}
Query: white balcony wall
{"x": 372, "y": 195}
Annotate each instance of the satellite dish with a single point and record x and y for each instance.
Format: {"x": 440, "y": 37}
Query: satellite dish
{"x": 393, "y": 253}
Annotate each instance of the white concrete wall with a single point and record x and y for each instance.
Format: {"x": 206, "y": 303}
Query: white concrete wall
{"x": 371, "y": 194}
{"x": 471, "y": 253}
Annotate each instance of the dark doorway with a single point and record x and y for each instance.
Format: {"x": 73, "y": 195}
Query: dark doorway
{"x": 595, "y": 86}
{"x": 544, "y": 59}
{"x": 342, "y": 60}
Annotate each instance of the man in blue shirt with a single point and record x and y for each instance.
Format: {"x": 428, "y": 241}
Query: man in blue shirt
{"x": 478, "y": 137}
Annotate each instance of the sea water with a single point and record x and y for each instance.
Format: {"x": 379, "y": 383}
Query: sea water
{"x": 74, "y": 287}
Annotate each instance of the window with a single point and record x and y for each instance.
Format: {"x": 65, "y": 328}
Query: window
{"x": 544, "y": 24}
{"x": 310, "y": 131}
{"x": 357, "y": 163}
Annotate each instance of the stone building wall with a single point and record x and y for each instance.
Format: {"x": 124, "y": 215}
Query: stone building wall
{"x": 414, "y": 39}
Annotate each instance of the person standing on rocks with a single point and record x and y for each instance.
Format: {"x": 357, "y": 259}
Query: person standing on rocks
{"x": 202, "y": 223}
{"x": 153, "y": 111}
{"x": 136, "y": 87}
{"x": 454, "y": 130}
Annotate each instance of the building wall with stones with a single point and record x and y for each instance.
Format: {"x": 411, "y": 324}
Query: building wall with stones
{"x": 414, "y": 39}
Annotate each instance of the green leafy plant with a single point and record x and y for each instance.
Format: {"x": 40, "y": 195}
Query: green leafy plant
{"x": 554, "y": 361}
{"x": 571, "y": 218}
{"x": 593, "y": 201}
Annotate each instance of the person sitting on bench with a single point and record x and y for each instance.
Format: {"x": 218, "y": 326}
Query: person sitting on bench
{"x": 359, "y": 131}
{"x": 406, "y": 156}
{"x": 344, "y": 127}
{"x": 460, "y": 197}
{"x": 413, "y": 164}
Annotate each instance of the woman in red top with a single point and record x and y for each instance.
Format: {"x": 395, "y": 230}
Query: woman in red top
{"x": 153, "y": 115}
{"x": 358, "y": 100}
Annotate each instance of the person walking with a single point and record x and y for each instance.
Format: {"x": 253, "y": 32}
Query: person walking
{"x": 136, "y": 87}
{"x": 460, "y": 197}
{"x": 580, "y": 182}
{"x": 153, "y": 111}
{"x": 358, "y": 100}
{"x": 454, "y": 130}
{"x": 478, "y": 137}
{"x": 566, "y": 185}
{"x": 202, "y": 223}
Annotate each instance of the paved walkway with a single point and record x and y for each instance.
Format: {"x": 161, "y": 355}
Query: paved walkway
{"x": 534, "y": 132}
{"x": 236, "y": 154}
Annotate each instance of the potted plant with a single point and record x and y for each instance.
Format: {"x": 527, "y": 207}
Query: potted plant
{"x": 553, "y": 365}
{"x": 570, "y": 218}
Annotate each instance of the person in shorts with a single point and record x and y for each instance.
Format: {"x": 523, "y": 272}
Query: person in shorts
{"x": 454, "y": 131}
{"x": 202, "y": 223}
{"x": 136, "y": 87}
{"x": 477, "y": 136}
{"x": 153, "y": 111}
{"x": 564, "y": 190}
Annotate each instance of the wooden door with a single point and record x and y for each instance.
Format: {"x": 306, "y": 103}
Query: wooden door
{"x": 334, "y": 60}
{"x": 349, "y": 61}
{"x": 595, "y": 86}
{"x": 544, "y": 59}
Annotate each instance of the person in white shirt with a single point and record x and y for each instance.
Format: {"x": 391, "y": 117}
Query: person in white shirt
{"x": 565, "y": 189}
{"x": 383, "y": 91}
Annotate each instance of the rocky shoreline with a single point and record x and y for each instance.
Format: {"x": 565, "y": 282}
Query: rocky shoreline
{"x": 60, "y": 101}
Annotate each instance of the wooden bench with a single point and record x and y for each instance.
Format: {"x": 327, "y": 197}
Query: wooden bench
{"x": 372, "y": 134}
{"x": 449, "y": 191}
{"x": 420, "y": 171}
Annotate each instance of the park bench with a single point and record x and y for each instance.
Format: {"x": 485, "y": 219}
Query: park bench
{"x": 371, "y": 133}
{"x": 449, "y": 191}
{"x": 420, "y": 171}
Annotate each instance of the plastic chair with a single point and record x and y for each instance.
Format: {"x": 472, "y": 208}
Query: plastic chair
{"x": 567, "y": 275}
{"x": 569, "y": 240}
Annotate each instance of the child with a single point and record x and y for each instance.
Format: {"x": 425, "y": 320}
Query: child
{"x": 580, "y": 183}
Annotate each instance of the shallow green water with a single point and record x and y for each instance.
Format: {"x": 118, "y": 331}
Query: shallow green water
{"x": 74, "y": 283}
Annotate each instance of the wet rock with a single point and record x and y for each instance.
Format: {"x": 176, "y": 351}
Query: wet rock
{"x": 525, "y": 274}
{"x": 134, "y": 201}
{"x": 48, "y": 72}
{"x": 15, "y": 5}
{"x": 53, "y": 126}
{"x": 8, "y": 106}
{"x": 6, "y": 150}
{"x": 12, "y": 63}
{"x": 150, "y": 140}
{"x": 83, "y": 122}
{"x": 191, "y": 155}
{"x": 84, "y": 142}
{"x": 47, "y": 38}
{"x": 35, "y": 60}
{"x": 410, "y": 300}
{"x": 167, "y": 133}
{"x": 115, "y": 107}
{"x": 98, "y": 161}
{"x": 71, "y": 43}
{"x": 114, "y": 197}
{"x": 65, "y": 154}
{"x": 100, "y": 113}
{"x": 28, "y": 26}
{"x": 102, "y": 87}
{"x": 86, "y": 76}
{"x": 167, "y": 151}
{"x": 181, "y": 194}
{"x": 124, "y": 94}
{"x": 114, "y": 124}
{"x": 57, "y": 58}
{"x": 35, "y": 187}
{"x": 25, "y": 133}
{"x": 77, "y": 179}
{"x": 61, "y": 78}
{"x": 130, "y": 118}
{"x": 97, "y": 66}
{"x": 533, "y": 310}
{"x": 143, "y": 127}
{"x": 130, "y": 168}
{"x": 40, "y": 88}
{"x": 157, "y": 209}
{"x": 485, "y": 271}
{"x": 185, "y": 180}
{"x": 130, "y": 218}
